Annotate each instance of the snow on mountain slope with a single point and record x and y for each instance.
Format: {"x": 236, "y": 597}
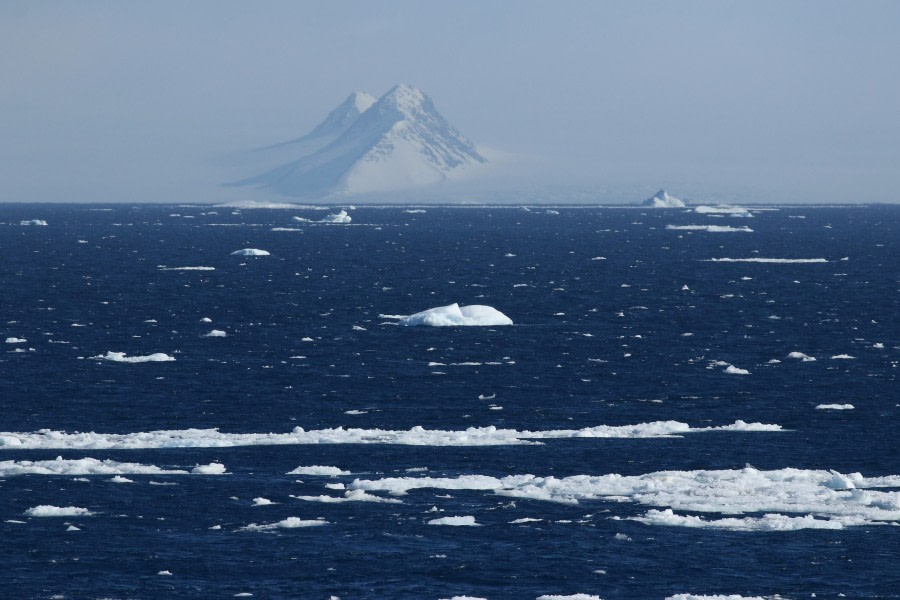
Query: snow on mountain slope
{"x": 397, "y": 142}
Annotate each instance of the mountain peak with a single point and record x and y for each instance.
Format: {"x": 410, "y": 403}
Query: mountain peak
{"x": 366, "y": 145}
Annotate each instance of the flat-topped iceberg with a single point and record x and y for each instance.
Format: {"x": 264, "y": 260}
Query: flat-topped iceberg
{"x": 455, "y": 315}
{"x": 250, "y": 252}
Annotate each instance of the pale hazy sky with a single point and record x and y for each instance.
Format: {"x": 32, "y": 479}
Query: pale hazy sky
{"x": 755, "y": 100}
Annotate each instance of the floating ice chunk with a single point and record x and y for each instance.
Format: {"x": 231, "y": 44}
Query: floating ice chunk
{"x": 568, "y": 597}
{"x": 776, "y": 261}
{"x": 289, "y": 523}
{"x": 260, "y": 501}
{"x": 417, "y": 436}
{"x": 72, "y": 528}
{"x": 878, "y": 345}
{"x": 33, "y": 222}
{"x": 715, "y": 597}
{"x": 250, "y": 252}
{"x": 215, "y": 333}
{"x": 835, "y": 407}
{"x": 801, "y": 356}
{"x": 842, "y": 357}
{"x": 339, "y": 217}
{"x": 206, "y": 320}
{"x": 733, "y": 370}
{"x": 15, "y": 340}
{"x": 318, "y": 470}
{"x": 710, "y": 228}
{"x": 349, "y": 496}
{"x": 47, "y": 510}
{"x": 455, "y": 315}
{"x": 302, "y": 220}
{"x": 455, "y": 521}
{"x": 82, "y": 466}
{"x": 120, "y": 479}
{"x": 525, "y": 520}
{"x": 723, "y": 209}
{"x": 210, "y": 469}
{"x": 250, "y": 204}
{"x": 768, "y": 522}
{"x": 414, "y": 211}
{"x": 165, "y": 268}
{"x": 165, "y": 573}
{"x": 121, "y": 357}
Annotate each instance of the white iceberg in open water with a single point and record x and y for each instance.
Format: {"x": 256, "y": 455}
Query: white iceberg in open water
{"x": 339, "y": 217}
{"x": 250, "y": 252}
{"x": 121, "y": 357}
{"x": 662, "y": 199}
{"x": 455, "y": 315}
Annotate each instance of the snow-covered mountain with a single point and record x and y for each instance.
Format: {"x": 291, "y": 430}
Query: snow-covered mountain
{"x": 364, "y": 146}
{"x": 662, "y": 199}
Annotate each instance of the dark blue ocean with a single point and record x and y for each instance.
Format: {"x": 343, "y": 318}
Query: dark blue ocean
{"x": 693, "y": 427}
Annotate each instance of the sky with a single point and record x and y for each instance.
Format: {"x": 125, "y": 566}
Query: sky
{"x": 753, "y": 101}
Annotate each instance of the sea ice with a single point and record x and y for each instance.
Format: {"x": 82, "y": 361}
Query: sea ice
{"x": 250, "y": 252}
{"x": 15, "y": 340}
{"x": 210, "y": 469}
{"x": 121, "y": 357}
{"x": 455, "y": 521}
{"x": 568, "y": 597}
{"x": 715, "y": 597}
{"x": 723, "y": 209}
{"x": 733, "y": 370}
{"x": 319, "y": 470}
{"x": 821, "y": 498}
{"x": 801, "y": 356}
{"x": 835, "y": 407}
{"x": 417, "y": 436}
{"x": 289, "y": 523}
{"x": 770, "y": 260}
{"x": 33, "y": 222}
{"x": 455, "y": 315}
{"x": 710, "y": 228}
{"x": 47, "y": 510}
{"x": 215, "y": 333}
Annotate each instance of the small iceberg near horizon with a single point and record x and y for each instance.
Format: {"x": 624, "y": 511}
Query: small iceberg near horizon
{"x": 250, "y": 252}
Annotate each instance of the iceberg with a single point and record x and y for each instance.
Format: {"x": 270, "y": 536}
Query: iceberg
{"x": 250, "y": 252}
{"x": 34, "y": 222}
{"x": 455, "y": 315}
{"x": 723, "y": 209}
{"x": 121, "y": 357}
{"x": 339, "y": 217}
{"x": 662, "y": 199}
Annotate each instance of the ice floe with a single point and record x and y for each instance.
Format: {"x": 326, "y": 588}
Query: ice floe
{"x": 801, "y": 356}
{"x": 165, "y": 268}
{"x": 349, "y": 496}
{"x": 121, "y": 357}
{"x": 210, "y": 469}
{"x": 318, "y": 470}
{"x": 82, "y": 466}
{"x": 48, "y": 510}
{"x": 40, "y": 222}
{"x": 417, "y": 436}
{"x": 250, "y": 252}
{"x": 289, "y": 523}
{"x": 811, "y": 498}
{"x": 215, "y": 333}
{"x": 455, "y": 315}
{"x": 769, "y": 260}
{"x": 733, "y": 370}
{"x": 710, "y": 228}
{"x": 723, "y": 209}
{"x": 835, "y": 407}
{"x": 250, "y": 204}
{"x": 568, "y": 597}
{"x": 467, "y": 521}
{"x": 15, "y": 340}
{"x": 718, "y": 597}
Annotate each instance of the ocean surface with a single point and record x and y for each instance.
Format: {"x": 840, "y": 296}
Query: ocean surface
{"x": 659, "y": 422}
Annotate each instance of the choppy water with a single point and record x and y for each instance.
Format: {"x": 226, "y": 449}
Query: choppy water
{"x": 656, "y": 467}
